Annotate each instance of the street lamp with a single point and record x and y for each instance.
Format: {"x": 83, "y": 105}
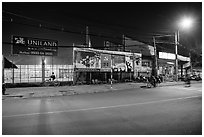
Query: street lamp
{"x": 176, "y": 53}
{"x": 185, "y": 23}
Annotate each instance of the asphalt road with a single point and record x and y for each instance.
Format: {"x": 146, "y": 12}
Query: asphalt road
{"x": 170, "y": 110}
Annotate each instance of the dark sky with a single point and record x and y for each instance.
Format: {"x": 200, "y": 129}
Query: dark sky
{"x": 137, "y": 20}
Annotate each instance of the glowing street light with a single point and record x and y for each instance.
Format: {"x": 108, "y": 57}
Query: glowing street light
{"x": 186, "y": 23}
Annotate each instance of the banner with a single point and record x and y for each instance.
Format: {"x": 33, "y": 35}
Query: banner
{"x": 105, "y": 61}
{"x": 34, "y": 46}
{"x": 129, "y": 63}
{"x": 188, "y": 64}
{"x": 137, "y": 59}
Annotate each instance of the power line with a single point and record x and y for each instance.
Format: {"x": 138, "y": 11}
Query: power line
{"x": 29, "y": 18}
{"x": 62, "y": 29}
{"x": 37, "y": 20}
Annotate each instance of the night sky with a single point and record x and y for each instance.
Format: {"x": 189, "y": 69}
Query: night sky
{"x": 138, "y": 20}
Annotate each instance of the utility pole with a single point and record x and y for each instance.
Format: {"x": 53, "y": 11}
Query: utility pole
{"x": 2, "y": 68}
{"x": 74, "y": 66}
{"x": 111, "y": 82}
{"x": 190, "y": 63}
{"x": 12, "y": 59}
{"x": 133, "y": 61}
{"x": 176, "y": 53}
{"x": 155, "y": 56}
{"x": 87, "y": 36}
{"x": 123, "y": 41}
{"x": 43, "y": 68}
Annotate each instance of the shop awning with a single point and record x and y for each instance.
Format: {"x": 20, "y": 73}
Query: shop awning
{"x": 9, "y": 64}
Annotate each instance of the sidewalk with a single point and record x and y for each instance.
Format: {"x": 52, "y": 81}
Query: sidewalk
{"x": 29, "y": 92}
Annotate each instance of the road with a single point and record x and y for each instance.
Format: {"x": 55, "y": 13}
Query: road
{"x": 169, "y": 110}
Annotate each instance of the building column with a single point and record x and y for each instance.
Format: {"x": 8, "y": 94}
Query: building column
{"x": 43, "y": 69}
{"x": 2, "y": 69}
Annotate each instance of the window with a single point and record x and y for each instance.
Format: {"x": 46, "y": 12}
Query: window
{"x": 33, "y": 73}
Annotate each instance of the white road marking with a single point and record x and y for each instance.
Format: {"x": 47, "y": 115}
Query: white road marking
{"x": 106, "y": 107}
{"x": 185, "y": 88}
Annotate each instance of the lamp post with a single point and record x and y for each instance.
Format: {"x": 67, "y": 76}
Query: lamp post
{"x": 184, "y": 24}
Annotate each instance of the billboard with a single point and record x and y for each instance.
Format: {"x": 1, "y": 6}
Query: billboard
{"x": 119, "y": 63}
{"x": 34, "y": 46}
{"x": 87, "y": 59}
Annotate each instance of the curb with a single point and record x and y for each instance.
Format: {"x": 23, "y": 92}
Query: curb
{"x": 72, "y": 92}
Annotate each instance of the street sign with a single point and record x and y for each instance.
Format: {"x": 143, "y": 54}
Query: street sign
{"x": 34, "y": 46}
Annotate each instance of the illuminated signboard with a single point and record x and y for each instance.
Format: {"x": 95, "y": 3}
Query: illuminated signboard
{"x": 164, "y": 55}
{"x": 34, "y": 46}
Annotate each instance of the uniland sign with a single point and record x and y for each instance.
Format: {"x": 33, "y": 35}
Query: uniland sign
{"x": 34, "y": 46}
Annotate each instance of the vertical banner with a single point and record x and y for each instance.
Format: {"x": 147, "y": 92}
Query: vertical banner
{"x": 137, "y": 59}
{"x": 105, "y": 61}
{"x": 129, "y": 63}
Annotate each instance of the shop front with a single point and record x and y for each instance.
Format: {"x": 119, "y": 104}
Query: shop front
{"x": 36, "y": 59}
{"x": 166, "y": 66}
